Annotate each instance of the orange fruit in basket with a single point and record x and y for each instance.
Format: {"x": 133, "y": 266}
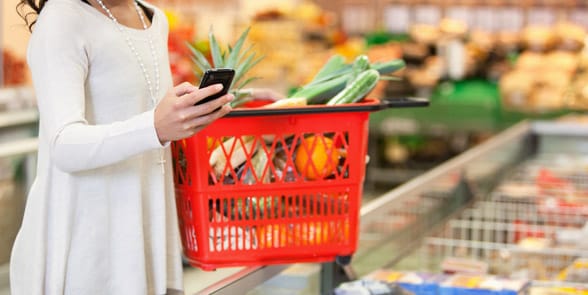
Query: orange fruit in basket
{"x": 316, "y": 157}
{"x": 322, "y": 232}
{"x": 274, "y": 236}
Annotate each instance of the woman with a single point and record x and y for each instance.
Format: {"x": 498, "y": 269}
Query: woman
{"x": 100, "y": 216}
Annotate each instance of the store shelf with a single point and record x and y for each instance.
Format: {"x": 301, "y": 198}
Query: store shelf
{"x": 20, "y": 117}
{"x": 560, "y": 129}
{"x": 19, "y": 147}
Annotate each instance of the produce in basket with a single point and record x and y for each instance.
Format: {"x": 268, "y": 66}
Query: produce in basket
{"x": 316, "y": 157}
{"x": 347, "y": 83}
{"x": 231, "y": 154}
{"x": 301, "y": 234}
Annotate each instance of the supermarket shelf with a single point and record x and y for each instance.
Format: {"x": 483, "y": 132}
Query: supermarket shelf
{"x": 560, "y": 128}
{"x": 19, "y": 147}
{"x": 16, "y": 118}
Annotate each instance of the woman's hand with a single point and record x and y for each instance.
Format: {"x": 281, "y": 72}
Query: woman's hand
{"x": 264, "y": 94}
{"x": 176, "y": 116}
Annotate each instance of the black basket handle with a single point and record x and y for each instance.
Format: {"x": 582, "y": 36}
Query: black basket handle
{"x": 404, "y": 102}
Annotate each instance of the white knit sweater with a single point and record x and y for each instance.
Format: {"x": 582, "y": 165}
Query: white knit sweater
{"x": 100, "y": 216}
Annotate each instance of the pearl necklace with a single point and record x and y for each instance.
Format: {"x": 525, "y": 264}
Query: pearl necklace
{"x": 152, "y": 92}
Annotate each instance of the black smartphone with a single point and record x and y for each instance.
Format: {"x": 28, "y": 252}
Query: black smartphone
{"x": 217, "y": 76}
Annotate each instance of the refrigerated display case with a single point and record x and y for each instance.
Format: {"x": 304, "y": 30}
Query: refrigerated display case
{"x": 514, "y": 206}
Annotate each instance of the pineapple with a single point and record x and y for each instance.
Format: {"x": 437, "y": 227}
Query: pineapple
{"x": 235, "y": 57}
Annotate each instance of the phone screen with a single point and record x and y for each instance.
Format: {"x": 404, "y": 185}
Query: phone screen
{"x": 217, "y": 76}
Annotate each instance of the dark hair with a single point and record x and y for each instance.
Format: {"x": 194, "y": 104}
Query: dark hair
{"x": 24, "y": 7}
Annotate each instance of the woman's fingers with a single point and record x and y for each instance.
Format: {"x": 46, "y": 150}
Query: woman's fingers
{"x": 177, "y": 116}
{"x": 184, "y": 88}
{"x": 198, "y": 122}
{"x": 194, "y": 111}
{"x": 191, "y": 98}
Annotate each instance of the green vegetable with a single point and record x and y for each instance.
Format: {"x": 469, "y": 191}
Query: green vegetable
{"x": 388, "y": 67}
{"x": 344, "y": 70}
{"x": 334, "y": 63}
{"x": 320, "y": 92}
{"x": 360, "y": 87}
{"x": 334, "y": 77}
{"x": 360, "y": 64}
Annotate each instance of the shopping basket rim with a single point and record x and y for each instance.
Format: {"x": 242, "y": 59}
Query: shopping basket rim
{"x": 366, "y": 105}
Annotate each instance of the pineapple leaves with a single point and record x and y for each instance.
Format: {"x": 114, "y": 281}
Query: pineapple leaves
{"x": 234, "y": 52}
{"x": 237, "y": 56}
{"x": 198, "y": 58}
{"x": 215, "y": 51}
{"x": 249, "y": 80}
{"x": 245, "y": 67}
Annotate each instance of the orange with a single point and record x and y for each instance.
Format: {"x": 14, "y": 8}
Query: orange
{"x": 274, "y": 236}
{"x": 316, "y": 157}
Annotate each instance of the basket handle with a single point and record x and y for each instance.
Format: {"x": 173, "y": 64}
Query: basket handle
{"x": 403, "y": 102}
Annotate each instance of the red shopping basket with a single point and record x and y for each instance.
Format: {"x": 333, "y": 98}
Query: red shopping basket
{"x": 272, "y": 186}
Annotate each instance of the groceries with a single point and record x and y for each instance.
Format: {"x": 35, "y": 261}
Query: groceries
{"x": 369, "y": 287}
{"x": 420, "y": 283}
{"x": 338, "y": 83}
{"x": 252, "y": 159}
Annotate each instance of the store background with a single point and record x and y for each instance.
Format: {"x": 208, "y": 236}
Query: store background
{"x": 404, "y": 144}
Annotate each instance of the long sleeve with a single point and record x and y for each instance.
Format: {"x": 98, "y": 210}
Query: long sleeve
{"x": 60, "y": 65}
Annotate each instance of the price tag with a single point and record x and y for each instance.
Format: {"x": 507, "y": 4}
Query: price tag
{"x": 540, "y": 16}
{"x": 580, "y": 17}
{"x": 461, "y": 13}
{"x": 427, "y": 14}
{"x": 485, "y": 19}
{"x": 510, "y": 19}
{"x": 397, "y": 18}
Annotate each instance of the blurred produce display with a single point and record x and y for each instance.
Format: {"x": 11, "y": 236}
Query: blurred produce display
{"x": 181, "y": 31}
{"x": 539, "y": 69}
{"x": 13, "y": 69}
{"x": 295, "y": 42}
{"x": 549, "y": 73}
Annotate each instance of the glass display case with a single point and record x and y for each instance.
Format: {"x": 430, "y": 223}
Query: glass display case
{"x": 514, "y": 207}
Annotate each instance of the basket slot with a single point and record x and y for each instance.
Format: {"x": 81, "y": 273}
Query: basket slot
{"x": 236, "y": 223}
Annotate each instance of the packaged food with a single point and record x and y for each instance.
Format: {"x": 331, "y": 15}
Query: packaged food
{"x": 417, "y": 283}
{"x": 482, "y": 285}
{"x": 577, "y": 272}
{"x": 369, "y": 287}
